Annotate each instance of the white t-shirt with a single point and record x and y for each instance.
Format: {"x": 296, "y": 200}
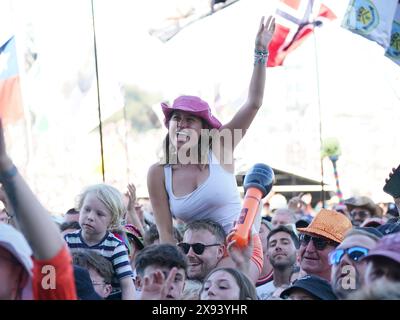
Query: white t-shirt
{"x": 265, "y": 291}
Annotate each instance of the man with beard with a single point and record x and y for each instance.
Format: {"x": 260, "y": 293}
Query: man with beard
{"x": 348, "y": 269}
{"x": 204, "y": 246}
{"x": 282, "y": 253}
{"x": 361, "y": 209}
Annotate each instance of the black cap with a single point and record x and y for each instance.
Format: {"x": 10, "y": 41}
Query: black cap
{"x": 84, "y": 285}
{"x": 371, "y": 230}
{"x": 392, "y": 210}
{"x": 389, "y": 228}
{"x": 315, "y": 286}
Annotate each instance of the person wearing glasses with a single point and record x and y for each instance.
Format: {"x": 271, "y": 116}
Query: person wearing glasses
{"x": 204, "y": 246}
{"x": 100, "y": 270}
{"x": 325, "y": 232}
{"x": 348, "y": 270}
{"x": 361, "y": 209}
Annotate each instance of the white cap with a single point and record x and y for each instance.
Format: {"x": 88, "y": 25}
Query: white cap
{"x": 277, "y": 201}
{"x": 13, "y": 241}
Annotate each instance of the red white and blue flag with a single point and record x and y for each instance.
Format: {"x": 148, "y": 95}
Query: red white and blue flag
{"x": 294, "y": 23}
{"x": 10, "y": 92}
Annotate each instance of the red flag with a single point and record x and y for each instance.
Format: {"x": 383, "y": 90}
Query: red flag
{"x": 10, "y": 93}
{"x": 294, "y": 24}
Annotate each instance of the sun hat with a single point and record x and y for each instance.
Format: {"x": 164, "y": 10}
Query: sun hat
{"x": 191, "y": 104}
{"x": 328, "y": 224}
{"x": 388, "y": 246}
{"x": 14, "y": 242}
{"x": 364, "y": 203}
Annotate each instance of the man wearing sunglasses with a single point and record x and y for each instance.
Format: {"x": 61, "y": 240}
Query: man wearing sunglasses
{"x": 322, "y": 236}
{"x": 361, "y": 209}
{"x": 348, "y": 269}
{"x": 204, "y": 246}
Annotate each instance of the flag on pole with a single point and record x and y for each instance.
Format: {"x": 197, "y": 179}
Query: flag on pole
{"x": 393, "y": 50}
{"x": 294, "y": 23}
{"x": 371, "y": 19}
{"x": 11, "y": 108}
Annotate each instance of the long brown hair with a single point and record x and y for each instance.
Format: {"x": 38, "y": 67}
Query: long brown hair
{"x": 204, "y": 145}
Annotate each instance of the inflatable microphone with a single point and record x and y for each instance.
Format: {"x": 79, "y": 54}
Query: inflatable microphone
{"x": 257, "y": 184}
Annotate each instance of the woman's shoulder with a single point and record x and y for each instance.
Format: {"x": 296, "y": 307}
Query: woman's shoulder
{"x": 156, "y": 172}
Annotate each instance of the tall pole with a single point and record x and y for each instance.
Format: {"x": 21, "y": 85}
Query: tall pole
{"x": 98, "y": 96}
{"x": 339, "y": 194}
{"x": 319, "y": 115}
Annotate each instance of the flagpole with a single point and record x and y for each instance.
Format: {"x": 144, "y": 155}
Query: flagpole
{"x": 319, "y": 111}
{"x": 98, "y": 95}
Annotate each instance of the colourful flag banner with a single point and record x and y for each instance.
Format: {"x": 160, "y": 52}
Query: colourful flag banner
{"x": 393, "y": 50}
{"x": 371, "y": 19}
{"x": 294, "y": 23}
{"x": 11, "y": 108}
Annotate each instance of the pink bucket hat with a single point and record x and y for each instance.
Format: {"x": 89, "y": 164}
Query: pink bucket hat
{"x": 194, "y": 105}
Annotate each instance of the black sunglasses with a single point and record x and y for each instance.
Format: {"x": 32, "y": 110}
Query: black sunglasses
{"x": 319, "y": 243}
{"x": 362, "y": 214}
{"x": 198, "y": 248}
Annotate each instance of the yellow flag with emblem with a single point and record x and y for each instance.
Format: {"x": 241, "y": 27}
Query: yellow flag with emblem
{"x": 372, "y": 19}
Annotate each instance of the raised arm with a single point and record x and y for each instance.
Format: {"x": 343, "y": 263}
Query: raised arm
{"x": 244, "y": 117}
{"x": 131, "y": 212}
{"x": 33, "y": 219}
{"x": 159, "y": 202}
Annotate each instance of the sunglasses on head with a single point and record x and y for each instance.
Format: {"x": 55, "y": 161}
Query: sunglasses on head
{"x": 361, "y": 213}
{"x": 354, "y": 253}
{"x": 198, "y": 248}
{"x": 319, "y": 243}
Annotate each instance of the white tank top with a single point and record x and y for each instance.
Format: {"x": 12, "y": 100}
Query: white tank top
{"x": 217, "y": 198}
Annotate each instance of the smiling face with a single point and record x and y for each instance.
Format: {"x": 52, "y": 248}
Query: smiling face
{"x": 220, "y": 285}
{"x": 94, "y": 218}
{"x": 184, "y": 129}
{"x": 314, "y": 261}
{"x": 199, "y": 265}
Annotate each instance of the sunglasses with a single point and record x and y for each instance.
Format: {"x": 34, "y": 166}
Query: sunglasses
{"x": 362, "y": 214}
{"x": 198, "y": 248}
{"x": 319, "y": 243}
{"x": 354, "y": 253}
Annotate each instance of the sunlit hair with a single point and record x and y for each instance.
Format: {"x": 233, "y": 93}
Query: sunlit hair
{"x": 213, "y": 227}
{"x": 247, "y": 290}
{"x": 110, "y": 197}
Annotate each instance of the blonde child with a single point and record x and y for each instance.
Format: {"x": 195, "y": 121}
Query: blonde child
{"x": 100, "y": 209}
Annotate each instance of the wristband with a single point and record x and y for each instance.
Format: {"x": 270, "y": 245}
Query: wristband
{"x": 8, "y": 174}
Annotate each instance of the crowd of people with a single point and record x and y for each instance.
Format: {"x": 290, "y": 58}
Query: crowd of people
{"x": 181, "y": 248}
